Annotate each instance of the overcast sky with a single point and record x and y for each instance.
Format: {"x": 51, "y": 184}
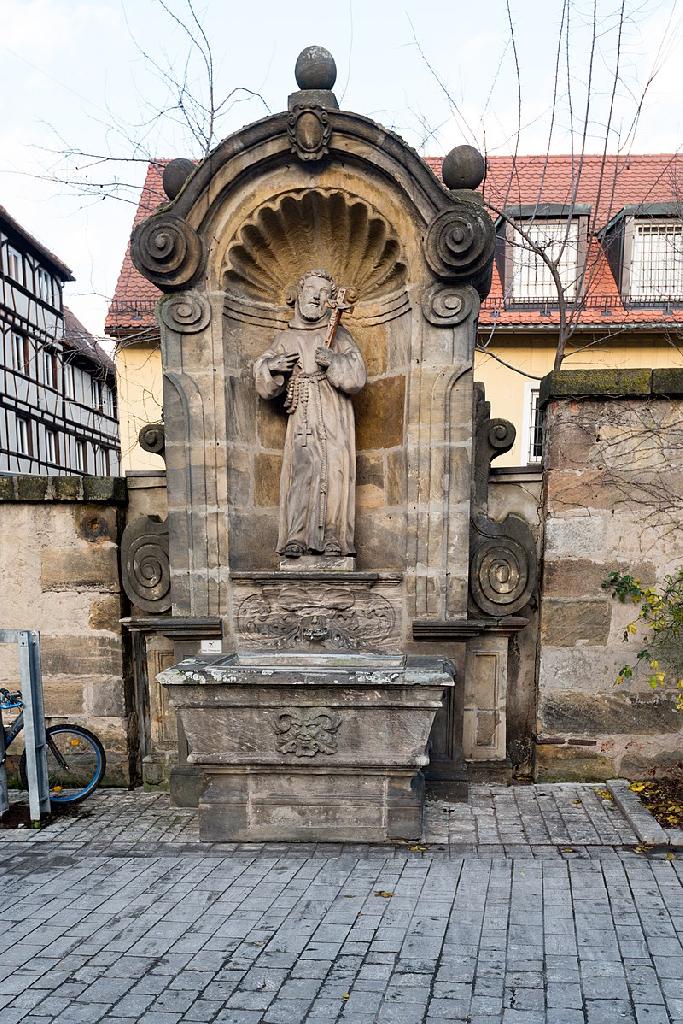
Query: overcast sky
{"x": 80, "y": 77}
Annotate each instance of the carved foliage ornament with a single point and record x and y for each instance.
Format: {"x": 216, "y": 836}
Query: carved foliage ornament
{"x": 167, "y": 251}
{"x": 446, "y": 305}
{"x": 144, "y": 564}
{"x": 309, "y": 132}
{"x": 300, "y": 616}
{"x": 460, "y": 242}
{"x": 187, "y": 312}
{"x": 306, "y": 732}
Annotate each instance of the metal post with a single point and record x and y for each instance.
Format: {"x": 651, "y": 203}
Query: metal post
{"x": 34, "y": 724}
{"x": 4, "y": 797}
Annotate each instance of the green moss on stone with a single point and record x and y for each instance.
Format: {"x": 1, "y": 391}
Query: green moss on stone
{"x": 111, "y": 489}
{"x": 32, "y": 488}
{"x": 668, "y": 382}
{"x": 6, "y": 488}
{"x": 596, "y": 384}
{"x": 67, "y": 488}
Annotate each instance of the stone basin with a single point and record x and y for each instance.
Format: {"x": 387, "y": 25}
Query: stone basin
{"x": 314, "y": 747}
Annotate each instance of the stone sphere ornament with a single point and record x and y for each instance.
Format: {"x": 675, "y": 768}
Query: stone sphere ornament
{"x": 315, "y": 68}
{"x": 175, "y": 174}
{"x": 463, "y": 167}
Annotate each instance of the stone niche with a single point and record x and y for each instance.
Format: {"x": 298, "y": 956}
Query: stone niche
{"x": 316, "y": 187}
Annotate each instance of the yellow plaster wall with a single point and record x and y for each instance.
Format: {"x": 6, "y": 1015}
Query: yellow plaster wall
{"x": 139, "y": 382}
{"x": 506, "y": 390}
{"x": 139, "y": 378}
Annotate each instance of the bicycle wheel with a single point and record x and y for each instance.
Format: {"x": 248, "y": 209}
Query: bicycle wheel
{"x": 76, "y": 763}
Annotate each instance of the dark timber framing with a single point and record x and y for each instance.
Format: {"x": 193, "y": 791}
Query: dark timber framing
{"x": 57, "y": 386}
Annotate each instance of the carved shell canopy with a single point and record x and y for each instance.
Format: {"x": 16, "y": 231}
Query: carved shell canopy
{"x": 314, "y": 228}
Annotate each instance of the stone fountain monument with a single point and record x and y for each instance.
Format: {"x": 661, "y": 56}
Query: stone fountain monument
{"x": 321, "y": 290}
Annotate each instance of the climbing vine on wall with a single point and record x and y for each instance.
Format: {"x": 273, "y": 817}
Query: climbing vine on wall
{"x": 660, "y": 613}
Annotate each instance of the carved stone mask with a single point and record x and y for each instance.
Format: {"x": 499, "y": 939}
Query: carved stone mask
{"x": 313, "y": 297}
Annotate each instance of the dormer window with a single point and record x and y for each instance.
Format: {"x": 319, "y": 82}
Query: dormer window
{"x": 644, "y": 248}
{"x": 529, "y": 233}
{"x": 657, "y": 261}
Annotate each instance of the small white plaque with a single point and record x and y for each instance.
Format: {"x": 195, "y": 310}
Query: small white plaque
{"x": 211, "y": 647}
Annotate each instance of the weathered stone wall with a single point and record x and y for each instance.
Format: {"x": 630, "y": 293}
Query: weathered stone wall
{"x": 613, "y": 492}
{"x": 59, "y": 567}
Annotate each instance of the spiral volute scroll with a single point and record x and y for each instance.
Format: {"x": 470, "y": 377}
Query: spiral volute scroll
{"x": 446, "y": 305}
{"x": 501, "y": 436}
{"x": 152, "y": 438}
{"x": 503, "y": 565}
{"x": 501, "y": 570}
{"x": 186, "y": 312}
{"x": 167, "y": 251}
{"x": 145, "y": 568}
{"x": 460, "y": 242}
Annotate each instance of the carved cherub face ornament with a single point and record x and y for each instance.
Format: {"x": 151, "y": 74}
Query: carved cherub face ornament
{"x": 313, "y": 297}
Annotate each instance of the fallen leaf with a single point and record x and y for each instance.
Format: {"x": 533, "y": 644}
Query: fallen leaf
{"x": 383, "y": 893}
{"x": 418, "y": 849}
{"x": 346, "y": 995}
{"x": 604, "y": 794}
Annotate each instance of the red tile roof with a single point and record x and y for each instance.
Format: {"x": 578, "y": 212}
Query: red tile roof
{"x": 607, "y": 185}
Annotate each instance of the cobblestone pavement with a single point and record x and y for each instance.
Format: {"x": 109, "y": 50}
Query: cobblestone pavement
{"x": 558, "y": 814}
{"x": 122, "y": 917}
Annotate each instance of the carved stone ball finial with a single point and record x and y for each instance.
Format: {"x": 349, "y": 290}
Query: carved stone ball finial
{"x": 176, "y": 173}
{"x": 463, "y": 167}
{"x": 315, "y": 68}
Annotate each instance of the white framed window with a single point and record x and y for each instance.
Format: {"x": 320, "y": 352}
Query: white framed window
{"x": 15, "y": 264}
{"x": 532, "y": 425}
{"x": 50, "y": 369}
{"x": 52, "y": 447}
{"x": 81, "y": 456}
{"x": 96, "y": 394}
{"x": 657, "y": 261}
{"x": 24, "y": 436}
{"x": 44, "y": 285}
{"x": 102, "y": 461}
{"x": 69, "y": 381}
{"x": 107, "y": 401}
{"x": 531, "y": 278}
{"x": 20, "y": 352}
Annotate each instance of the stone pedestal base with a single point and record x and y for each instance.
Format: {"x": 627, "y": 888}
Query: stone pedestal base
{"x": 311, "y": 747}
{"x": 305, "y": 805}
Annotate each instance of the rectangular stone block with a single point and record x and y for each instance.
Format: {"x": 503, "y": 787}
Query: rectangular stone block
{"x": 297, "y": 806}
{"x": 566, "y": 623}
{"x": 83, "y": 567}
{"x": 379, "y": 413}
{"x": 81, "y": 655}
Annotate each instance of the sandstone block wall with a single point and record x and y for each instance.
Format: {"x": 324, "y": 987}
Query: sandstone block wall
{"x": 613, "y": 499}
{"x": 59, "y": 568}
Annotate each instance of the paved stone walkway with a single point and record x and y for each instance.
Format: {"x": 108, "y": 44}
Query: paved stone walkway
{"x": 545, "y": 815}
{"x": 120, "y": 916}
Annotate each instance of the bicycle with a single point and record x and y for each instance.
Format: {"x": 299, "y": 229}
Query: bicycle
{"x": 76, "y": 761}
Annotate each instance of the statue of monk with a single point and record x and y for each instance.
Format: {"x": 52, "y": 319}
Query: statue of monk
{"x": 318, "y": 480}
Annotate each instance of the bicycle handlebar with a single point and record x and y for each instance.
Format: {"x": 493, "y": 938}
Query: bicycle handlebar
{"x": 10, "y": 700}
